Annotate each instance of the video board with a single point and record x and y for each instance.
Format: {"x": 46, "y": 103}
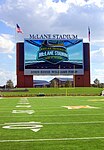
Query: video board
{"x": 53, "y": 57}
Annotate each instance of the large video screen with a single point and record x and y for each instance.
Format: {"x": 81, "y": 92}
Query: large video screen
{"x": 53, "y": 57}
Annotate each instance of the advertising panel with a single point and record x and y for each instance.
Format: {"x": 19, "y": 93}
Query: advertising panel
{"x": 53, "y": 57}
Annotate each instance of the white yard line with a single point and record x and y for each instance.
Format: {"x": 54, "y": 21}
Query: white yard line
{"x": 59, "y": 115}
{"x": 23, "y": 103}
{"x": 66, "y": 123}
{"x": 15, "y": 116}
{"x": 27, "y": 106}
{"x": 68, "y": 115}
{"x": 53, "y": 115}
{"x": 54, "y": 139}
{"x": 24, "y": 111}
{"x": 61, "y": 123}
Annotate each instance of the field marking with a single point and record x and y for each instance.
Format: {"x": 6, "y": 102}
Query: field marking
{"x": 34, "y": 126}
{"x": 27, "y": 106}
{"x": 52, "y": 97}
{"x": 63, "y": 123}
{"x": 32, "y": 111}
{"x": 54, "y": 139}
{"x": 24, "y": 98}
{"x": 68, "y": 115}
{"x": 15, "y": 116}
{"x": 23, "y": 111}
{"x": 23, "y": 103}
{"x": 51, "y": 115}
{"x": 79, "y": 107}
{"x": 97, "y": 100}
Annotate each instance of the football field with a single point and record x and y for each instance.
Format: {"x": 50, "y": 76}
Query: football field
{"x": 52, "y": 123}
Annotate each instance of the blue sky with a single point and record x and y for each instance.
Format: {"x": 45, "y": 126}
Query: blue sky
{"x": 50, "y": 16}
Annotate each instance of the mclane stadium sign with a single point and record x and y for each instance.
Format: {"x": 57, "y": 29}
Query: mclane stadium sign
{"x": 53, "y": 36}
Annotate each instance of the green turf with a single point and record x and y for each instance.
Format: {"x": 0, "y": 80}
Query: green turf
{"x": 63, "y": 129}
{"x": 55, "y": 91}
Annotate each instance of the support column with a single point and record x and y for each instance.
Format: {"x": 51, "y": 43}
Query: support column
{"x": 84, "y": 80}
{"x": 23, "y": 81}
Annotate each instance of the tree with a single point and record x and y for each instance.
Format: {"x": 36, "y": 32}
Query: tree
{"x": 101, "y": 85}
{"x": 96, "y": 82}
{"x": 68, "y": 83}
{"x": 9, "y": 84}
{"x": 54, "y": 83}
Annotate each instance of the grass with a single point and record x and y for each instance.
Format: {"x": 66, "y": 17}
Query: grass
{"x": 56, "y": 91}
{"x": 62, "y": 128}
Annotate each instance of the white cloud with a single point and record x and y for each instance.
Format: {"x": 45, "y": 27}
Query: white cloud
{"x": 97, "y": 56}
{"x": 99, "y": 74}
{"x": 98, "y": 3}
{"x": 97, "y": 65}
{"x": 58, "y": 7}
{"x": 98, "y": 42}
{"x": 46, "y": 16}
{"x": 9, "y": 56}
{"x": 6, "y": 44}
{"x": 7, "y": 75}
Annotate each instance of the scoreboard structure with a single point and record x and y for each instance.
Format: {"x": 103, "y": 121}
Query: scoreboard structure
{"x": 35, "y": 57}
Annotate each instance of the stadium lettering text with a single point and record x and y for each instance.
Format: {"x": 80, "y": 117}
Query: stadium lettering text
{"x": 52, "y": 53}
{"x": 53, "y": 36}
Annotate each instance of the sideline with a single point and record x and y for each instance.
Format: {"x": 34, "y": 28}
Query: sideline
{"x": 56, "y": 139}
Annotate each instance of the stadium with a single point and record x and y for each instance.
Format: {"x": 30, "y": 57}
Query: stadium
{"x": 46, "y": 118}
